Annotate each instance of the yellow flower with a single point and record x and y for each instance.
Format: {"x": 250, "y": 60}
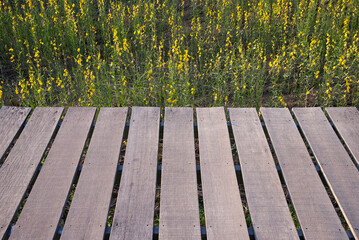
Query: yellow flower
{"x": 37, "y": 54}
{"x": 79, "y": 61}
{"x": 66, "y": 73}
{"x": 307, "y": 92}
{"x": 125, "y": 45}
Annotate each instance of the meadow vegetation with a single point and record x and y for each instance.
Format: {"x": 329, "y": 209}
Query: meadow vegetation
{"x": 179, "y": 53}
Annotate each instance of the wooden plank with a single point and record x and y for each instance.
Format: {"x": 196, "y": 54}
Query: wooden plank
{"x": 337, "y": 167}
{"x": 222, "y": 202}
{"x": 313, "y": 207}
{"x": 11, "y": 120}
{"x": 346, "y": 121}
{"x": 21, "y": 163}
{"x": 88, "y": 211}
{"x": 42, "y": 211}
{"x": 179, "y": 215}
{"x": 267, "y": 205}
{"x": 136, "y": 199}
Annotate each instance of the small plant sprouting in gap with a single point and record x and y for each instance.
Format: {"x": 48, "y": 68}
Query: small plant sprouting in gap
{"x": 337, "y": 208}
{"x": 294, "y": 216}
{"x": 160, "y": 147}
{"x": 122, "y": 153}
{"x": 196, "y": 146}
{"x": 67, "y": 205}
{"x": 112, "y": 205}
{"x": 245, "y": 205}
{"x": 156, "y": 221}
{"x": 290, "y": 205}
{"x": 14, "y": 220}
{"x": 84, "y": 152}
{"x": 234, "y": 152}
{"x": 201, "y": 206}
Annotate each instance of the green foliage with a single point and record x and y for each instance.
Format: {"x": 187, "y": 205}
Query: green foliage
{"x": 179, "y": 53}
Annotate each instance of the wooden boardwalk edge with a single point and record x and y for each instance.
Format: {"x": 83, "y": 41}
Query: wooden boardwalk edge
{"x": 333, "y": 140}
{"x": 94, "y": 188}
{"x": 312, "y": 205}
{"x": 219, "y": 181}
{"x": 42, "y": 211}
{"x": 266, "y": 200}
{"x": 346, "y": 121}
{"x": 134, "y": 211}
{"x": 338, "y": 169}
{"x": 178, "y": 178}
{"x": 22, "y": 161}
{"x": 12, "y": 119}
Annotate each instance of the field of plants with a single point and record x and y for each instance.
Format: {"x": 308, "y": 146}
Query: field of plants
{"x": 179, "y": 53}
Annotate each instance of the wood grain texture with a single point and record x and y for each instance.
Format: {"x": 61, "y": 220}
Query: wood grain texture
{"x": 337, "y": 167}
{"x": 136, "y": 198}
{"x": 313, "y": 207}
{"x": 11, "y": 120}
{"x": 267, "y": 205}
{"x": 42, "y": 211}
{"x": 222, "y": 203}
{"x": 179, "y": 214}
{"x": 87, "y": 217}
{"x": 21, "y": 163}
{"x": 346, "y": 121}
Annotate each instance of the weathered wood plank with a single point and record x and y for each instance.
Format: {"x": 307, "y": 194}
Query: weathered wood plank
{"x": 21, "y": 163}
{"x": 136, "y": 198}
{"x": 346, "y": 121}
{"x": 179, "y": 215}
{"x": 222, "y": 203}
{"x": 313, "y": 207}
{"x": 88, "y": 212}
{"x": 11, "y": 120}
{"x": 337, "y": 167}
{"x": 267, "y": 205}
{"x": 42, "y": 211}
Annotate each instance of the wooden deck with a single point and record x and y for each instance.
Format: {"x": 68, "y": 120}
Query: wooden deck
{"x": 119, "y": 173}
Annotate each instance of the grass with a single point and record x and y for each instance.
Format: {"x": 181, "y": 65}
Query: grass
{"x": 179, "y": 53}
